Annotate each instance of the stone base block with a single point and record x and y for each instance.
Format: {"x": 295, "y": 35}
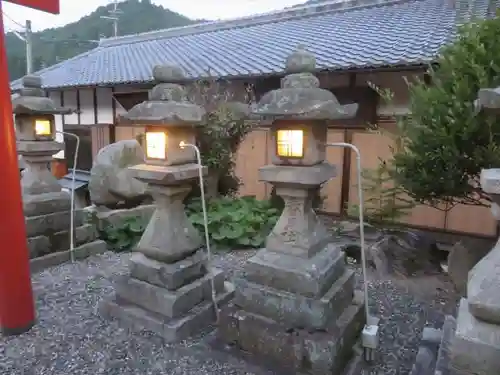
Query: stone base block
{"x": 172, "y": 304}
{"x": 51, "y": 223}
{"x": 42, "y": 204}
{"x": 60, "y": 241}
{"x": 170, "y": 276}
{"x": 475, "y": 350}
{"x": 293, "y": 310}
{"x": 295, "y": 351}
{"x": 80, "y": 252}
{"x": 115, "y": 217}
{"x": 307, "y": 277}
{"x": 193, "y": 322}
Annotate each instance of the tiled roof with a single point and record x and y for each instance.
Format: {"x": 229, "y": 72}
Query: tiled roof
{"x": 341, "y": 34}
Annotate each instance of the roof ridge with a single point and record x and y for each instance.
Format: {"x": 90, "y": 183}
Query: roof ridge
{"x": 308, "y": 10}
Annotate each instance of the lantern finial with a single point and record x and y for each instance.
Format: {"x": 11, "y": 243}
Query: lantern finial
{"x": 300, "y": 61}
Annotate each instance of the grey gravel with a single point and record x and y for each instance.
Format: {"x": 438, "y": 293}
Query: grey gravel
{"x": 71, "y": 338}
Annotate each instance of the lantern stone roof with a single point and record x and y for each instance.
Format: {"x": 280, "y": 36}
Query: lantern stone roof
{"x": 342, "y": 34}
{"x": 167, "y": 104}
{"x": 300, "y": 96}
{"x": 32, "y": 99}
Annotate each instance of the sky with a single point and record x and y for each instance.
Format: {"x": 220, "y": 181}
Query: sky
{"x": 73, "y": 10}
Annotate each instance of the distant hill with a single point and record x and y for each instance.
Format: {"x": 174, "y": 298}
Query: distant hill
{"x": 53, "y": 45}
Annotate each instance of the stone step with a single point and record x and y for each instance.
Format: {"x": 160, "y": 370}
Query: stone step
{"x": 172, "y": 304}
{"x": 52, "y": 223}
{"x": 60, "y": 241}
{"x": 292, "y": 309}
{"x": 293, "y": 351}
{"x": 55, "y": 259}
{"x": 172, "y": 330}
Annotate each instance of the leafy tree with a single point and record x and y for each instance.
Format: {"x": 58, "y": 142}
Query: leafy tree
{"x": 445, "y": 142}
{"x": 224, "y": 128}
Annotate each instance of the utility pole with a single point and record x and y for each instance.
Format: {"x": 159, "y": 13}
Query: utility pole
{"x": 114, "y": 15}
{"x": 29, "y": 48}
{"x": 28, "y": 40}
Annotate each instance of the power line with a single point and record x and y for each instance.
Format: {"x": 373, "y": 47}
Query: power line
{"x": 12, "y": 20}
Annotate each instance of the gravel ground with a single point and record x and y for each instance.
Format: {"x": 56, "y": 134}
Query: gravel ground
{"x": 71, "y": 338}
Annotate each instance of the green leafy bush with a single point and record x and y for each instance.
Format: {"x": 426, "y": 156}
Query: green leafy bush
{"x": 232, "y": 223}
{"x": 235, "y": 222}
{"x": 125, "y": 235}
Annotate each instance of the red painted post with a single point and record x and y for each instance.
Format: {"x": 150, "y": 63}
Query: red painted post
{"x": 17, "y": 311}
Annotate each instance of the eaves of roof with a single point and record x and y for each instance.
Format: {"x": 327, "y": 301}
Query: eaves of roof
{"x": 343, "y": 35}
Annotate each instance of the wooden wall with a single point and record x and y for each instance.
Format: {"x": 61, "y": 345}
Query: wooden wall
{"x": 373, "y": 147}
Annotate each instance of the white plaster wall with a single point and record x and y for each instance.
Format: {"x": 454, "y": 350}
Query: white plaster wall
{"x": 87, "y": 115}
{"x": 56, "y": 97}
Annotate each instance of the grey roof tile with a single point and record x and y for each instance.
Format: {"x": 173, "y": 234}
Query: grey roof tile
{"x": 350, "y": 34}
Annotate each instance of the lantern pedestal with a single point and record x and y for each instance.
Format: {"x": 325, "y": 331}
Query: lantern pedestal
{"x": 295, "y": 304}
{"x": 42, "y": 193}
{"x": 169, "y": 287}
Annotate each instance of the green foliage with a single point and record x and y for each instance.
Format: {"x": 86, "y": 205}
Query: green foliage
{"x": 225, "y": 127}
{"x": 235, "y": 223}
{"x": 445, "y": 142}
{"x": 124, "y": 235}
{"x": 53, "y": 45}
{"x": 383, "y": 201}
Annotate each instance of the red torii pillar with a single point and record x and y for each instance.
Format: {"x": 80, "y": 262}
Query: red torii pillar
{"x": 17, "y": 310}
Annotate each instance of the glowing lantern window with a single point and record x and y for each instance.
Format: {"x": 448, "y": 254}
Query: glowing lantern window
{"x": 43, "y": 128}
{"x": 290, "y": 143}
{"x": 156, "y": 143}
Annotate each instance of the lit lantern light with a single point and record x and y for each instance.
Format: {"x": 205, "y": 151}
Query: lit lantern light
{"x": 290, "y": 143}
{"x": 43, "y": 128}
{"x": 156, "y": 145}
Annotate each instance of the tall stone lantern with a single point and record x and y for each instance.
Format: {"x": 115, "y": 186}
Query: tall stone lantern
{"x": 475, "y": 348}
{"x": 169, "y": 289}
{"x": 35, "y": 133}
{"x": 294, "y": 304}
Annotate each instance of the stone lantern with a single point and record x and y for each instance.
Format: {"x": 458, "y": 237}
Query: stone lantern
{"x": 35, "y": 133}
{"x": 294, "y": 304}
{"x": 169, "y": 289}
{"x": 46, "y": 207}
{"x": 475, "y": 349}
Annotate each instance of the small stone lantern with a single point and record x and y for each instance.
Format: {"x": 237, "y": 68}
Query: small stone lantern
{"x": 169, "y": 288}
{"x": 475, "y": 349}
{"x": 294, "y": 303}
{"x": 35, "y": 133}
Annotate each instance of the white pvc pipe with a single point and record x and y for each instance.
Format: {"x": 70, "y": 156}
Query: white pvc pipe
{"x": 72, "y": 204}
{"x": 205, "y": 224}
{"x": 361, "y": 222}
